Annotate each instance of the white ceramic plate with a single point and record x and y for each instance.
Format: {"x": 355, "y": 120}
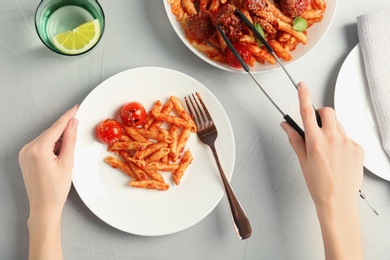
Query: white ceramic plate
{"x": 315, "y": 34}
{"x": 355, "y": 111}
{"x": 105, "y": 190}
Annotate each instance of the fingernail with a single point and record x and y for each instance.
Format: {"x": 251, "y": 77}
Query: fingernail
{"x": 74, "y": 123}
{"x": 283, "y": 125}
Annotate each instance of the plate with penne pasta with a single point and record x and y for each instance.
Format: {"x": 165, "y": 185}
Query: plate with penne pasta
{"x": 139, "y": 165}
{"x": 292, "y": 28}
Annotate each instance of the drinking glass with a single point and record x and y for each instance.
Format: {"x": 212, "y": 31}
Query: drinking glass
{"x": 54, "y": 17}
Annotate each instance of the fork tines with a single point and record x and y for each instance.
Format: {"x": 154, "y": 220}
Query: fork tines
{"x": 198, "y": 110}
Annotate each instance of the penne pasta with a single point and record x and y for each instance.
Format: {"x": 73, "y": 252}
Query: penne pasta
{"x": 154, "y": 147}
{"x": 185, "y": 162}
{"x": 149, "y": 184}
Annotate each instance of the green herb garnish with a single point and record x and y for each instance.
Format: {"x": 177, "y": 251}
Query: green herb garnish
{"x": 300, "y": 24}
{"x": 261, "y": 31}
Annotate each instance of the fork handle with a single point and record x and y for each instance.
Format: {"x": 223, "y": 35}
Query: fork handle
{"x": 239, "y": 218}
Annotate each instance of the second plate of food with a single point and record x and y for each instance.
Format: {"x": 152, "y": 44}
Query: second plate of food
{"x": 177, "y": 9}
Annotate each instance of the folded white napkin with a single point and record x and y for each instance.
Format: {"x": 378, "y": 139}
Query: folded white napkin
{"x": 374, "y": 37}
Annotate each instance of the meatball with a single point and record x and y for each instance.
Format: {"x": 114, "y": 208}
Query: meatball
{"x": 294, "y": 8}
{"x": 200, "y": 26}
{"x": 254, "y": 6}
{"x": 230, "y": 23}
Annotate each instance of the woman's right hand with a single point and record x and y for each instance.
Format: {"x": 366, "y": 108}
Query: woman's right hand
{"x": 331, "y": 162}
{"x": 332, "y": 165}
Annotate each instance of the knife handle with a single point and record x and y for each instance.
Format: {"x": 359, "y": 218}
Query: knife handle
{"x": 294, "y": 125}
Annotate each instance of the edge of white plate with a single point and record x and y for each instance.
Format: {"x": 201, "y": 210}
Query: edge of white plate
{"x": 370, "y": 161}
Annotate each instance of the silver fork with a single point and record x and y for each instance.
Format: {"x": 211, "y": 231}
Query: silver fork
{"x": 207, "y": 133}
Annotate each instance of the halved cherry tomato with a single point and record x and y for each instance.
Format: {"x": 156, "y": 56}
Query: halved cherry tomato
{"x": 244, "y": 52}
{"x": 109, "y": 131}
{"x": 133, "y": 114}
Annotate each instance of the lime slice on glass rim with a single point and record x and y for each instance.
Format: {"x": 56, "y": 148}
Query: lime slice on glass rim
{"x": 78, "y": 40}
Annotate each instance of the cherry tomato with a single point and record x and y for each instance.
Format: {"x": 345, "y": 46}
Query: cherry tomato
{"x": 242, "y": 50}
{"x": 133, "y": 114}
{"x": 109, "y": 131}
